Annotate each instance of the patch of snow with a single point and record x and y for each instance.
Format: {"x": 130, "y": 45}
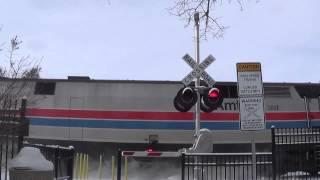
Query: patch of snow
{"x": 30, "y": 158}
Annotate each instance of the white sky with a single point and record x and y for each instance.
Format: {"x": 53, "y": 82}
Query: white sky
{"x": 140, "y": 40}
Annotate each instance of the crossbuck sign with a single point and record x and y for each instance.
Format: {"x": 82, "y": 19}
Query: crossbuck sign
{"x": 198, "y": 70}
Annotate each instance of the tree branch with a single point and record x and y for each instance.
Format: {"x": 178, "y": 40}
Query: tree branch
{"x": 18, "y": 67}
{"x": 209, "y": 24}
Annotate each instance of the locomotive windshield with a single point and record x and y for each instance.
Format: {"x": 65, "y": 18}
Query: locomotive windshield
{"x": 309, "y": 91}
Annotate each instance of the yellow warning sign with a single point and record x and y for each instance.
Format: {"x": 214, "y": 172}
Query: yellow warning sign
{"x": 245, "y": 67}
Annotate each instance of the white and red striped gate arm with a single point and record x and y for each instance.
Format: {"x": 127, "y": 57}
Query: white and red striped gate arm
{"x": 150, "y": 154}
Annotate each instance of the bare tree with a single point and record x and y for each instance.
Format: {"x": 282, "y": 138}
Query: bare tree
{"x": 209, "y": 23}
{"x": 16, "y": 72}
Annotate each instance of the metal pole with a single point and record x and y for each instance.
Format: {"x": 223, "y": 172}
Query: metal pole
{"x": 183, "y": 166}
{"x": 56, "y": 162}
{"x": 70, "y": 162}
{"x": 119, "y": 164}
{"x": 274, "y": 168}
{"x": 197, "y": 84}
{"x": 126, "y": 168}
{"x": 254, "y": 159}
{"x": 306, "y": 105}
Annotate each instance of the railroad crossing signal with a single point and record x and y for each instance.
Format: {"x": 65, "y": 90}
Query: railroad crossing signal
{"x": 185, "y": 99}
{"x": 198, "y": 70}
{"x": 210, "y": 97}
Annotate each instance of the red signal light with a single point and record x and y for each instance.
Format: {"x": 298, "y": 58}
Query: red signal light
{"x": 149, "y": 149}
{"x": 214, "y": 94}
{"x": 211, "y": 99}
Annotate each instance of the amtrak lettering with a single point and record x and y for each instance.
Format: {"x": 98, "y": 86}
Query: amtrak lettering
{"x": 228, "y": 105}
{"x": 233, "y": 106}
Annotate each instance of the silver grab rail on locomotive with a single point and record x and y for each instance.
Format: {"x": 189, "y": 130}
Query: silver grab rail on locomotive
{"x": 306, "y": 105}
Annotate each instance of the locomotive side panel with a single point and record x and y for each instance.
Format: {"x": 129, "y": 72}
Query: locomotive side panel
{"x": 113, "y": 96}
{"x": 133, "y": 111}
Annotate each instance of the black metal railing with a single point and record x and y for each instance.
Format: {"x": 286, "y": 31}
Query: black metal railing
{"x": 228, "y": 166}
{"x": 296, "y": 153}
{"x": 61, "y": 157}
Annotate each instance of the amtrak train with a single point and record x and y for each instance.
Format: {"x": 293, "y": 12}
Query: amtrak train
{"x": 130, "y": 111}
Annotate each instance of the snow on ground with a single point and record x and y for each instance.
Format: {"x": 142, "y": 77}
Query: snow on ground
{"x": 156, "y": 170}
{"x": 31, "y": 158}
{"x": 162, "y": 170}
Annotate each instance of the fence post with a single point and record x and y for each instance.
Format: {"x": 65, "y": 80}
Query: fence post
{"x": 119, "y": 165}
{"x": 1, "y": 159}
{"x": 126, "y": 168}
{"x": 14, "y": 129}
{"x": 70, "y": 163}
{"x": 56, "y": 162}
{"x": 182, "y": 165}
{"x": 274, "y": 168}
{"x": 23, "y": 129}
{"x": 254, "y": 159}
{"x": 112, "y": 168}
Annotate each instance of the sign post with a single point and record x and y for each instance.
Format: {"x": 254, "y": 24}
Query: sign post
{"x": 251, "y": 100}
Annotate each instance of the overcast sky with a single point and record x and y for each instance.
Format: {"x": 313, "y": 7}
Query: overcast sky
{"x": 140, "y": 40}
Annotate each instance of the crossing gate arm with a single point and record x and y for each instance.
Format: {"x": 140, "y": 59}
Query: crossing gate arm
{"x": 150, "y": 154}
{"x": 227, "y": 154}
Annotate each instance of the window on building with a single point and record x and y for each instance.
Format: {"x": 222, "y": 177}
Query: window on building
{"x": 45, "y": 88}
